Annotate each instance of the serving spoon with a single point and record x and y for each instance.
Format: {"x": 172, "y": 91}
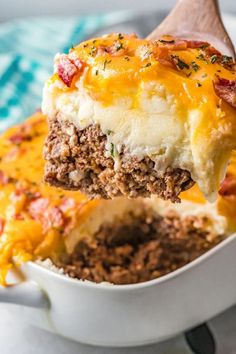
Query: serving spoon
{"x": 197, "y": 20}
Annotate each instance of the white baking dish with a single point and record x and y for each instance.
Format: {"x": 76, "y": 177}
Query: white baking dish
{"x": 129, "y": 315}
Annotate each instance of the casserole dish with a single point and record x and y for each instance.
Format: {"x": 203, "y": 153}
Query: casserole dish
{"x": 128, "y": 315}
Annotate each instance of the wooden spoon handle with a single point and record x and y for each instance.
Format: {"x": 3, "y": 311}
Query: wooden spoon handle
{"x": 197, "y": 20}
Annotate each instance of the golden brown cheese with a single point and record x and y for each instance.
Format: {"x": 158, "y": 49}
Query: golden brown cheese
{"x": 34, "y": 218}
{"x": 226, "y": 200}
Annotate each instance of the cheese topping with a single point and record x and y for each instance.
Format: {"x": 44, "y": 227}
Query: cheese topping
{"x": 156, "y": 98}
{"x": 34, "y": 218}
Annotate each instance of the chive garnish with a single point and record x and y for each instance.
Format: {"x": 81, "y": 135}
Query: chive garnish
{"x": 180, "y": 63}
{"x": 112, "y": 151}
{"x": 109, "y": 132}
{"x": 166, "y": 42}
{"x": 213, "y": 58}
{"x": 119, "y": 46}
{"x": 204, "y": 46}
{"x": 201, "y": 57}
{"x": 195, "y": 66}
{"x": 198, "y": 84}
{"x": 105, "y": 64}
{"x": 93, "y": 50}
{"x": 226, "y": 59}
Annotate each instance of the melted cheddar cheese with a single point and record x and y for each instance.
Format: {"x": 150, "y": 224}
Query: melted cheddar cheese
{"x": 155, "y": 97}
{"x": 225, "y": 204}
{"x": 35, "y": 219}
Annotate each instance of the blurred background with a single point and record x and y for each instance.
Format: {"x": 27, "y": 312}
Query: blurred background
{"x": 31, "y": 32}
{"x": 18, "y": 8}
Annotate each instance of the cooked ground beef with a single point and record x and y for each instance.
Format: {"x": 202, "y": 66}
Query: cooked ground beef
{"x": 143, "y": 249}
{"x": 76, "y": 159}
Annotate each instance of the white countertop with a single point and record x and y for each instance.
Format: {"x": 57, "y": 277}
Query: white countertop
{"x": 17, "y": 337}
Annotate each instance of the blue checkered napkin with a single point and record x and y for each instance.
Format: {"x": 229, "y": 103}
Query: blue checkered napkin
{"x": 27, "y": 49}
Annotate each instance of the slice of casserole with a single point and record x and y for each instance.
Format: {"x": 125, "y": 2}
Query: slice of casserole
{"x": 135, "y": 117}
{"x": 120, "y": 240}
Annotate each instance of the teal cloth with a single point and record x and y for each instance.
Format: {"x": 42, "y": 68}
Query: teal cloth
{"x": 27, "y": 49}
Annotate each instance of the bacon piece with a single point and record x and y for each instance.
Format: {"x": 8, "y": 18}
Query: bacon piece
{"x": 48, "y": 216}
{"x": 53, "y": 217}
{"x": 2, "y": 223}
{"x": 79, "y": 64}
{"x": 226, "y": 90}
{"x": 173, "y": 44}
{"x": 16, "y": 138}
{"x": 228, "y": 186}
{"x": 197, "y": 44}
{"x": 162, "y": 55}
{"x": 4, "y": 179}
{"x": 68, "y": 68}
{"x": 212, "y": 51}
{"x": 38, "y": 207}
{"x": 67, "y": 204}
{"x": 12, "y": 154}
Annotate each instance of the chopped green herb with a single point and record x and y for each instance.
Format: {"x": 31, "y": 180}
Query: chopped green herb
{"x": 226, "y": 59}
{"x": 109, "y": 132}
{"x": 93, "y": 50}
{"x": 120, "y": 36}
{"x": 96, "y": 72}
{"x": 204, "y": 75}
{"x": 94, "y": 41}
{"x": 112, "y": 151}
{"x": 147, "y": 65}
{"x": 198, "y": 84}
{"x": 201, "y": 57}
{"x": 180, "y": 63}
{"x": 105, "y": 64}
{"x": 166, "y": 42}
{"x": 148, "y": 52}
{"x": 189, "y": 74}
{"x": 127, "y": 58}
{"x": 119, "y": 46}
{"x": 204, "y": 46}
{"x": 213, "y": 58}
{"x": 30, "y": 195}
{"x": 195, "y": 66}
{"x": 85, "y": 45}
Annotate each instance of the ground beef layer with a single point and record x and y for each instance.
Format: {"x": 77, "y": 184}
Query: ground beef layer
{"x": 143, "y": 249}
{"x": 76, "y": 159}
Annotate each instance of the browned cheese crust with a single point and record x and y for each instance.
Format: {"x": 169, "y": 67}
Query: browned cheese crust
{"x": 76, "y": 160}
{"x": 142, "y": 249}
